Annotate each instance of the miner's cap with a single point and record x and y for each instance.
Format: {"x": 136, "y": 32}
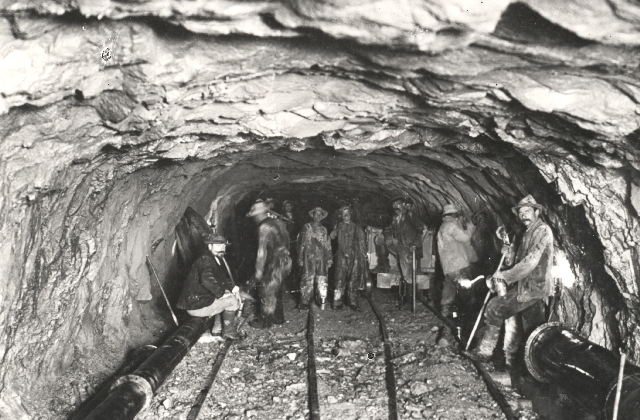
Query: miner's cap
{"x": 258, "y": 207}
{"x": 450, "y": 209}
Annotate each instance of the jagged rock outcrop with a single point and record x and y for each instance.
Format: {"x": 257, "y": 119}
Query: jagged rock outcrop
{"x": 115, "y": 116}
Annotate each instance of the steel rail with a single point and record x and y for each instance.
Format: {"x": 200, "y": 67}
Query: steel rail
{"x": 390, "y": 377}
{"x": 215, "y": 368}
{"x": 491, "y": 385}
{"x": 314, "y": 401}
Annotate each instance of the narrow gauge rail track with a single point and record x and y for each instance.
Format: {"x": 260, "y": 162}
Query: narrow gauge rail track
{"x": 491, "y": 385}
{"x": 215, "y": 368}
{"x": 390, "y": 379}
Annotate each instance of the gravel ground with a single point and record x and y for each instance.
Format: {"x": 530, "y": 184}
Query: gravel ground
{"x": 265, "y": 377}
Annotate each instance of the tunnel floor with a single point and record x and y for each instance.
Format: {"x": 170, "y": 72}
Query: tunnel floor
{"x": 264, "y": 376}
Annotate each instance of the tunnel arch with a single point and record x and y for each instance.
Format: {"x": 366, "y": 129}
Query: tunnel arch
{"x": 100, "y": 158}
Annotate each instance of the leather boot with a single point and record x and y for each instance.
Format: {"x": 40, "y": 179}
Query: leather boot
{"x": 217, "y": 325}
{"x": 484, "y": 350}
{"x": 278, "y": 316}
{"x": 229, "y": 325}
{"x": 353, "y": 303}
{"x": 337, "y": 300}
{"x": 510, "y": 360}
{"x": 262, "y": 322}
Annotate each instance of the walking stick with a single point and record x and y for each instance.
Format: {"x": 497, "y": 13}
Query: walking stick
{"x": 413, "y": 303}
{"x": 162, "y": 290}
{"x": 232, "y": 281}
{"x": 484, "y": 305}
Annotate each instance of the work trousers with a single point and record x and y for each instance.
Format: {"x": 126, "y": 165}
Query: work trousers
{"x": 228, "y": 302}
{"x": 271, "y": 289}
{"x": 520, "y": 318}
{"x": 348, "y": 276}
{"x": 314, "y": 274}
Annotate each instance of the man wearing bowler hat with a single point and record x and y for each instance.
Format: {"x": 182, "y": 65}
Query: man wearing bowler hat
{"x": 273, "y": 265}
{"x": 315, "y": 258}
{"x": 526, "y": 285}
{"x": 208, "y": 289}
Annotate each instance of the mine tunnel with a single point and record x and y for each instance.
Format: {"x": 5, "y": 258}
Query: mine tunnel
{"x": 116, "y": 117}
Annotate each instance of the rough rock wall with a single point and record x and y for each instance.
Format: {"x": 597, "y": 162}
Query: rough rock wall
{"x": 94, "y": 108}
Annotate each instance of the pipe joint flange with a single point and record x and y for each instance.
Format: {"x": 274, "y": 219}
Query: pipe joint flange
{"x": 536, "y": 336}
{"x": 142, "y": 383}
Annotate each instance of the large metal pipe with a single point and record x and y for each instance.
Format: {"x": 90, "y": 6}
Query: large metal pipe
{"x": 584, "y": 370}
{"x": 132, "y": 393}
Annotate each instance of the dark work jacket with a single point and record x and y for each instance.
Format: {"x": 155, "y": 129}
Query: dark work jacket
{"x": 407, "y": 230}
{"x": 534, "y": 260}
{"x": 206, "y": 282}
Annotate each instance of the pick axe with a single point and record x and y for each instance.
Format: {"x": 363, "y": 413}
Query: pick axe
{"x": 503, "y": 235}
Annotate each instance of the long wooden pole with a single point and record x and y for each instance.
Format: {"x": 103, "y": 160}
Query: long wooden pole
{"x": 486, "y": 299}
{"x": 166, "y": 299}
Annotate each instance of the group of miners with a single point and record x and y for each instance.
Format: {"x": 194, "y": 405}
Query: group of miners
{"x": 522, "y": 279}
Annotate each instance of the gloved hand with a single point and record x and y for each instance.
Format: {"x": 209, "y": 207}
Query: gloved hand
{"x": 490, "y": 284}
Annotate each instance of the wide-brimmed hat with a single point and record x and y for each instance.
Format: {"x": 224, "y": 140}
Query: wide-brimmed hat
{"x": 322, "y": 211}
{"x": 402, "y": 198}
{"x": 214, "y": 238}
{"x": 258, "y": 207}
{"x": 528, "y": 201}
{"x": 343, "y": 208}
{"x": 450, "y": 209}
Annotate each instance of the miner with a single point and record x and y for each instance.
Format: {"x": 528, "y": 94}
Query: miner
{"x": 484, "y": 243}
{"x": 208, "y": 289}
{"x": 351, "y": 270}
{"x": 292, "y": 229}
{"x": 525, "y": 286}
{"x": 273, "y": 264}
{"x": 270, "y": 202}
{"x": 401, "y": 239}
{"x": 456, "y": 255}
{"x": 314, "y": 258}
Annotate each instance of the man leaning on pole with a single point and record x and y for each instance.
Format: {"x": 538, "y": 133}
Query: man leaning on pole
{"x": 523, "y": 288}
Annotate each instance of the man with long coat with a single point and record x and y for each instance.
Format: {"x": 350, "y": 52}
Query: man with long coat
{"x": 273, "y": 264}
{"x": 314, "y": 258}
{"x": 351, "y": 269}
{"x": 528, "y": 283}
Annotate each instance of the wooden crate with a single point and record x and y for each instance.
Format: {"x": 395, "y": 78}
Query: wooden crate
{"x": 387, "y": 280}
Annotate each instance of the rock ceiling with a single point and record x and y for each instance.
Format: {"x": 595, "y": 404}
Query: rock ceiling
{"x": 93, "y": 90}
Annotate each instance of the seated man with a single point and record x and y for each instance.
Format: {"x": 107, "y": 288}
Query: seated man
{"x": 208, "y": 289}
